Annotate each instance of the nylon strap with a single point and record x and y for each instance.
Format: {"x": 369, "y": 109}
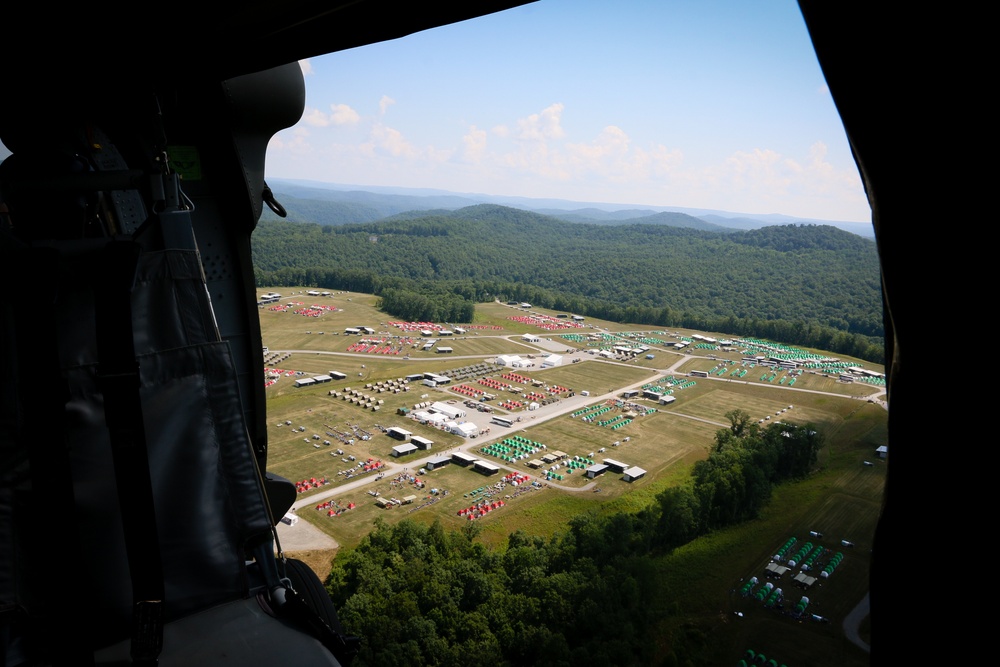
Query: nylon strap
{"x": 118, "y": 378}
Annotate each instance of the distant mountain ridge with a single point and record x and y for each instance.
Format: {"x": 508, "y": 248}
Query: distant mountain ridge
{"x": 801, "y": 284}
{"x": 335, "y": 204}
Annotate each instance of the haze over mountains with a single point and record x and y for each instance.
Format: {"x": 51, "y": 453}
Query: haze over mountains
{"x": 803, "y": 284}
{"x": 337, "y": 204}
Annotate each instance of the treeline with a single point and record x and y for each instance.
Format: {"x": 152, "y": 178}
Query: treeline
{"x": 421, "y": 307}
{"x": 807, "y": 285}
{"x": 590, "y": 595}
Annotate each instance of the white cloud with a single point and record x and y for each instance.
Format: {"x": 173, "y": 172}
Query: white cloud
{"x": 542, "y": 127}
{"x": 665, "y": 160}
{"x": 438, "y": 156}
{"x": 475, "y": 144}
{"x": 764, "y": 181}
{"x": 343, "y": 115}
{"x": 534, "y": 155}
{"x": 315, "y": 117}
{"x": 306, "y": 66}
{"x": 758, "y": 168}
{"x": 611, "y": 143}
{"x": 294, "y": 141}
{"x": 392, "y": 141}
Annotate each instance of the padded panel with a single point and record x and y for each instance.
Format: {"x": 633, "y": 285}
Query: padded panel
{"x": 239, "y": 633}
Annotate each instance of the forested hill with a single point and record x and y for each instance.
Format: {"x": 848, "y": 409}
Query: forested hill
{"x": 809, "y": 285}
{"x": 596, "y": 217}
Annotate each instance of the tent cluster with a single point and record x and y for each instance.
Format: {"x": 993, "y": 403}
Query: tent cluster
{"x": 832, "y": 565}
{"x": 512, "y": 449}
{"x": 750, "y": 659}
{"x": 517, "y": 377}
{"x": 764, "y": 592}
{"x": 333, "y": 509}
{"x": 415, "y": 326}
{"x": 494, "y": 384}
{"x": 800, "y": 554}
{"x": 546, "y": 322}
{"x": 666, "y": 385}
{"x": 806, "y": 564}
{"x": 481, "y": 509}
{"x": 466, "y": 390}
{"x": 315, "y": 310}
{"x": 778, "y": 351}
{"x": 592, "y": 412}
{"x": 272, "y": 375}
{"x": 780, "y": 555}
{"x": 310, "y": 484}
{"x": 801, "y": 606}
{"x": 379, "y": 346}
{"x": 583, "y": 411}
{"x": 616, "y": 422}
{"x": 662, "y": 390}
{"x": 372, "y": 464}
{"x": 516, "y": 478}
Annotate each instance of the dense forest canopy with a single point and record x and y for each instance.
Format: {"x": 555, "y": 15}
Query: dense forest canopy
{"x": 810, "y": 285}
{"x": 591, "y": 595}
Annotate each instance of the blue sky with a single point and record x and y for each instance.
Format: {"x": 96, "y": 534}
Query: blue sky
{"x": 718, "y": 104}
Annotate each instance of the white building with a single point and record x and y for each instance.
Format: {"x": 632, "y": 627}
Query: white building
{"x": 633, "y": 474}
{"x": 421, "y": 442}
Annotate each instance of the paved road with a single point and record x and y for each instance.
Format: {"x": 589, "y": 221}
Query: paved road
{"x": 853, "y": 622}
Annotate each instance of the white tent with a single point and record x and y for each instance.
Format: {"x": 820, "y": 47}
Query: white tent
{"x": 465, "y": 429}
{"x": 448, "y": 410}
{"x": 552, "y": 360}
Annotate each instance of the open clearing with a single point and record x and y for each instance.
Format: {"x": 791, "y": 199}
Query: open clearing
{"x": 841, "y": 500}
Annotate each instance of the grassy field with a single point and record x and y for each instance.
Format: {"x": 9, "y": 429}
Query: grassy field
{"x": 841, "y": 500}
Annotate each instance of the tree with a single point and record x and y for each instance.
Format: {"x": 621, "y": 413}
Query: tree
{"x": 738, "y": 420}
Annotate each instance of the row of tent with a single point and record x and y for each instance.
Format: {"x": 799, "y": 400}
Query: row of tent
{"x": 752, "y": 658}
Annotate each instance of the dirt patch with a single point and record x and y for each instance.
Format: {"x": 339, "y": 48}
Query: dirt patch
{"x": 318, "y": 560}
